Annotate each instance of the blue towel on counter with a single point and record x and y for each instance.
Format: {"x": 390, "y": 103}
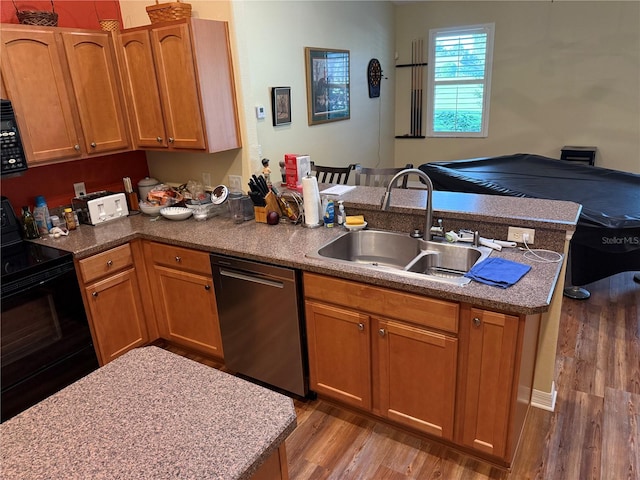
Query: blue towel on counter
{"x": 498, "y": 272}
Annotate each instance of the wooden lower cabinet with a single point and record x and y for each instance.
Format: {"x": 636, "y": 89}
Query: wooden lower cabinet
{"x": 183, "y": 297}
{"x": 113, "y": 301}
{"x": 495, "y": 379}
{"x": 395, "y": 369}
{"x": 339, "y": 353}
{"x": 417, "y": 376}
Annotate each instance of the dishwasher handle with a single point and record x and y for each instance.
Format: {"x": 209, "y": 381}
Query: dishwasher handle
{"x": 248, "y": 277}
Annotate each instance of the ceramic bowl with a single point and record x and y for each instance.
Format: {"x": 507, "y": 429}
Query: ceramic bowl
{"x": 355, "y": 228}
{"x": 150, "y": 208}
{"x": 176, "y": 213}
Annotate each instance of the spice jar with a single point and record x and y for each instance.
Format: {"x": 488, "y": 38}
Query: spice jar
{"x": 70, "y": 219}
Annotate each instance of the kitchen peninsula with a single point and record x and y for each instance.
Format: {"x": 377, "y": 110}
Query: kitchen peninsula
{"x": 150, "y": 414}
{"x": 482, "y": 343}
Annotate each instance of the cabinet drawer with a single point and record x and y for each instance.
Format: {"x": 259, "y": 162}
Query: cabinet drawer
{"x": 181, "y": 258}
{"x": 429, "y": 312}
{"x": 105, "y": 263}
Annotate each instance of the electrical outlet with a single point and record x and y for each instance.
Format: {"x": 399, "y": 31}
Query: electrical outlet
{"x": 79, "y": 189}
{"x": 516, "y": 234}
{"x": 235, "y": 183}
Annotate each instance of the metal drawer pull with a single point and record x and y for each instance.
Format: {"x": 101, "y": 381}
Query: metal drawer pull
{"x": 95, "y": 294}
{"x": 476, "y": 321}
{"x": 178, "y": 259}
{"x": 159, "y": 139}
{"x": 109, "y": 263}
{"x": 382, "y": 332}
{"x": 93, "y": 144}
{"x": 207, "y": 287}
{"x": 170, "y": 139}
{"x": 76, "y": 146}
{"x": 360, "y": 326}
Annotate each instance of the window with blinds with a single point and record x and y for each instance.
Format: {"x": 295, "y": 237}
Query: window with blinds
{"x": 459, "y": 81}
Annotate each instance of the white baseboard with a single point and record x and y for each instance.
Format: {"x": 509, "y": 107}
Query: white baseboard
{"x": 545, "y": 400}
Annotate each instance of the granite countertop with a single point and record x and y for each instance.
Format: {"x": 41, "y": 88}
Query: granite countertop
{"x": 149, "y": 414}
{"x": 287, "y": 245}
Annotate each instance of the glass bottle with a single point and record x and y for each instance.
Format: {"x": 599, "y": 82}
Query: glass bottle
{"x": 29, "y": 225}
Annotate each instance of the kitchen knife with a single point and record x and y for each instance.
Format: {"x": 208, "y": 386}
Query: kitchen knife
{"x": 263, "y": 185}
{"x": 257, "y": 199}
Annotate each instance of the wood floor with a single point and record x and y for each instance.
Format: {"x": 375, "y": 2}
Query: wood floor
{"x": 593, "y": 433}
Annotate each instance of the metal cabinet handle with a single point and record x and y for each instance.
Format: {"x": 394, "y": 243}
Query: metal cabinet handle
{"x": 476, "y": 321}
{"x": 109, "y": 263}
{"x": 93, "y": 144}
{"x": 159, "y": 139}
{"x": 207, "y": 287}
{"x": 178, "y": 259}
{"x": 170, "y": 139}
{"x": 95, "y": 294}
{"x": 76, "y": 146}
{"x": 382, "y": 332}
{"x": 360, "y": 326}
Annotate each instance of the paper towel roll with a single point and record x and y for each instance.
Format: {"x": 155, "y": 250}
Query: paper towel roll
{"x": 311, "y": 200}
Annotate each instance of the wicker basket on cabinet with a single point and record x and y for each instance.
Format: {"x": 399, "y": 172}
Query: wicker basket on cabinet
{"x": 166, "y": 12}
{"x": 37, "y": 17}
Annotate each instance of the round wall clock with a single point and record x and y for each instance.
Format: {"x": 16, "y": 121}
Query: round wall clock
{"x": 374, "y": 76}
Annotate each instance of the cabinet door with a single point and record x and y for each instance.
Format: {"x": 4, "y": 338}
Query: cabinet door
{"x": 487, "y": 383}
{"x": 96, "y": 85}
{"x": 117, "y": 316}
{"x": 339, "y": 354}
{"x": 141, "y": 89}
{"x": 186, "y": 310}
{"x": 176, "y": 73}
{"x": 33, "y": 71}
{"x": 417, "y": 371}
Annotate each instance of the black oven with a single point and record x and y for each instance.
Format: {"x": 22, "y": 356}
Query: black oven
{"x": 12, "y": 157}
{"x": 46, "y": 341}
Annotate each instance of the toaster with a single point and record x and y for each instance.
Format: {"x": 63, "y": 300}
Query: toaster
{"x": 100, "y": 207}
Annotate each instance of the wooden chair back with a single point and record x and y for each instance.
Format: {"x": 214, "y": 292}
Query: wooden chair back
{"x": 339, "y": 175}
{"x": 380, "y": 177}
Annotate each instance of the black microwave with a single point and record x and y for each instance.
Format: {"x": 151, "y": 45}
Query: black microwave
{"x": 11, "y": 150}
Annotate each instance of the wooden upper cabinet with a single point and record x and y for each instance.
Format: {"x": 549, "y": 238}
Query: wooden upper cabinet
{"x": 33, "y": 70}
{"x": 183, "y": 70}
{"x": 95, "y": 82}
{"x": 141, "y": 89}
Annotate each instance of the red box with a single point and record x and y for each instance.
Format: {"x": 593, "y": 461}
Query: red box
{"x": 296, "y": 166}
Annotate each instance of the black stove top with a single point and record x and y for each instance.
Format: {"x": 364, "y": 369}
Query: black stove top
{"x": 22, "y": 260}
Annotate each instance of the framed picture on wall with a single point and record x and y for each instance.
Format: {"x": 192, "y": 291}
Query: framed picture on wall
{"x": 327, "y": 85}
{"x": 281, "y": 105}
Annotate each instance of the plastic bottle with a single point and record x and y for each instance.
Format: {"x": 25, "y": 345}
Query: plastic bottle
{"x": 69, "y": 217}
{"x": 29, "y": 225}
{"x": 329, "y": 213}
{"x": 41, "y": 214}
{"x": 341, "y": 213}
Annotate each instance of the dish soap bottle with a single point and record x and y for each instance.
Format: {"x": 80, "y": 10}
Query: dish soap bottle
{"x": 41, "y": 214}
{"x": 29, "y": 225}
{"x": 329, "y": 213}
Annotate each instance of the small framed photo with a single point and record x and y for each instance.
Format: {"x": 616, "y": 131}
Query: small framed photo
{"x": 281, "y": 105}
{"x": 327, "y": 85}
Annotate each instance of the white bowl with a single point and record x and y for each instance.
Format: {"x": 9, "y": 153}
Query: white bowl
{"x": 150, "y": 208}
{"x": 176, "y": 213}
{"x": 355, "y": 228}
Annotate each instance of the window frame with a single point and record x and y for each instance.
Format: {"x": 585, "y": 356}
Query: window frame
{"x": 489, "y": 29}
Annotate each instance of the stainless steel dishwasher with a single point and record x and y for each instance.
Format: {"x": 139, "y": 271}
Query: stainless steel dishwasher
{"x": 261, "y": 322}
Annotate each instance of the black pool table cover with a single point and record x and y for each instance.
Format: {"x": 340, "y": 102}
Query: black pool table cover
{"x": 607, "y": 237}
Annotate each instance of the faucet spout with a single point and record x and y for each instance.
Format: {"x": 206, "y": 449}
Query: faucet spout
{"x": 386, "y": 198}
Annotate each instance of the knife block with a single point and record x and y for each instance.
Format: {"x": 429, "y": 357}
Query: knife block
{"x": 272, "y": 205}
{"x": 261, "y": 214}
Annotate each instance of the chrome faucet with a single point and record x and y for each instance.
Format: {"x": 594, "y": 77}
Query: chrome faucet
{"x": 386, "y": 198}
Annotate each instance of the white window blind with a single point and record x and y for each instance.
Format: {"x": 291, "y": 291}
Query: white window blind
{"x": 459, "y": 81}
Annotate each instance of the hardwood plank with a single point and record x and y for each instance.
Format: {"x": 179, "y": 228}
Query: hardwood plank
{"x": 620, "y": 446}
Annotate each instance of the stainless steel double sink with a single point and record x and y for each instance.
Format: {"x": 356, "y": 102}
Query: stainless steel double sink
{"x": 401, "y": 254}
